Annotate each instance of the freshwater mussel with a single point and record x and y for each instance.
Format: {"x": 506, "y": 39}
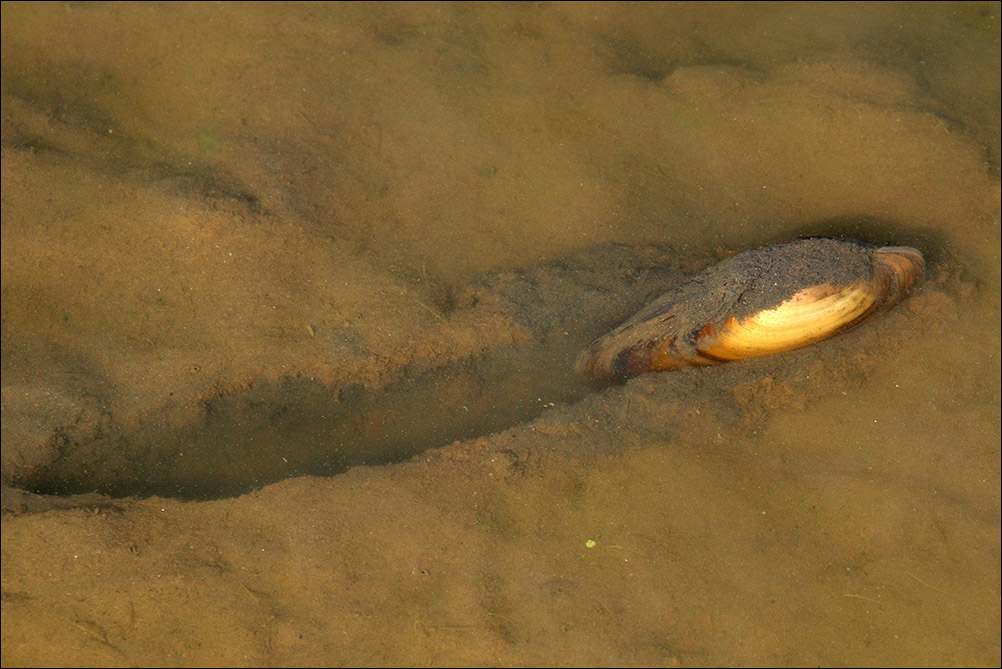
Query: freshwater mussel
{"x": 763, "y": 301}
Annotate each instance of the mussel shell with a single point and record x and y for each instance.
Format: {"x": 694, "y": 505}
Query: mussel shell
{"x": 764, "y": 301}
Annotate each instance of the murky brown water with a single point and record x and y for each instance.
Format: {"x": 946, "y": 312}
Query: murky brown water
{"x": 243, "y": 244}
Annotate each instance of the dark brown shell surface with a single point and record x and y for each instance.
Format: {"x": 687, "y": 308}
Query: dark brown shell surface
{"x": 763, "y": 301}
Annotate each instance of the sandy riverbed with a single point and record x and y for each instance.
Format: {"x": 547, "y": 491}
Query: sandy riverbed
{"x": 291, "y": 295}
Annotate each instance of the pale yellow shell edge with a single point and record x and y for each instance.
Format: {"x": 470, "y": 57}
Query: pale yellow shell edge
{"x": 811, "y": 315}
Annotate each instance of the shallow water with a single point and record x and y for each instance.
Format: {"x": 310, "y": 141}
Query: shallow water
{"x": 243, "y": 244}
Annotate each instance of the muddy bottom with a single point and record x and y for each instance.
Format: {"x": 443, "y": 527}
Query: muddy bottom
{"x": 292, "y": 296}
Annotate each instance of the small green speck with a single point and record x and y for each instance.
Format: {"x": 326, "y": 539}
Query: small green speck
{"x": 209, "y": 143}
{"x": 590, "y": 543}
